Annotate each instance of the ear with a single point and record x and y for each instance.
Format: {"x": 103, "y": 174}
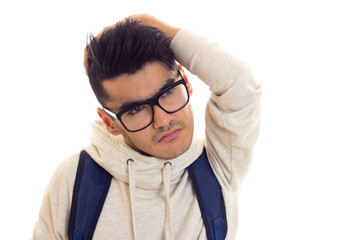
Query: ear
{"x": 110, "y": 125}
{"x": 190, "y": 89}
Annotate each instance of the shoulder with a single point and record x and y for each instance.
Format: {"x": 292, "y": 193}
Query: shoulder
{"x": 64, "y": 176}
{"x": 56, "y": 202}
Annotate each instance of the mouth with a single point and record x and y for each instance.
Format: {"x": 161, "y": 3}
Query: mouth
{"x": 170, "y": 136}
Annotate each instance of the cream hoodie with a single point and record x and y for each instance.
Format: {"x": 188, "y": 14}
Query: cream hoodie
{"x": 152, "y": 200}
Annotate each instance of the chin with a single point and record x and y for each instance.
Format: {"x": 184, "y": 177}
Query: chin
{"x": 171, "y": 155}
{"x": 175, "y": 149}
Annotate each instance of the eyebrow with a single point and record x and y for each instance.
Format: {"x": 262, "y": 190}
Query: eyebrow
{"x": 131, "y": 104}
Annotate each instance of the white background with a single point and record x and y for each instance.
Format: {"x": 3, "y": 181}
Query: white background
{"x": 305, "y": 178}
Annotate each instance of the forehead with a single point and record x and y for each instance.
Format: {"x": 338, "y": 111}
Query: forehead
{"x": 139, "y": 86}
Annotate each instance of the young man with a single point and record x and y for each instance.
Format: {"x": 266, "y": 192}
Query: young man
{"x": 146, "y": 137}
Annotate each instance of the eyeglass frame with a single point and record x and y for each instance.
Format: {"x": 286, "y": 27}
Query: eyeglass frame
{"x": 152, "y": 102}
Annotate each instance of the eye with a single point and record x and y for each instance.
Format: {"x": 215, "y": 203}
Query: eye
{"x": 135, "y": 110}
{"x": 168, "y": 92}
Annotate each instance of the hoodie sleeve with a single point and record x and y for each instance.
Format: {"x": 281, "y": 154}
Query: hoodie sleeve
{"x": 55, "y": 208}
{"x": 232, "y": 114}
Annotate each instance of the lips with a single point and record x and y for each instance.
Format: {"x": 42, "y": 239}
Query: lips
{"x": 169, "y": 136}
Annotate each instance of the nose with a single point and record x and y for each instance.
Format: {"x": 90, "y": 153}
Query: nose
{"x": 161, "y": 118}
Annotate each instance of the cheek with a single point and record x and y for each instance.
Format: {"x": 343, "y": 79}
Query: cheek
{"x": 189, "y": 115}
{"x": 134, "y": 140}
{"x": 141, "y": 138}
{"x": 140, "y": 142}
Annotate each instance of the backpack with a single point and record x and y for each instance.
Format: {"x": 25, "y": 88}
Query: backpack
{"x": 92, "y": 184}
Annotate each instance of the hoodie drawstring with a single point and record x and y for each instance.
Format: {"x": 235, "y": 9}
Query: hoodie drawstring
{"x": 166, "y": 179}
{"x": 132, "y": 185}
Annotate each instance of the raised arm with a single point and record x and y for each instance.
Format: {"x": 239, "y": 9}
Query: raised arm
{"x": 233, "y": 111}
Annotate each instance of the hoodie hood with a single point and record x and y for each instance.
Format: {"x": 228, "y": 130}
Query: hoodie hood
{"x": 112, "y": 153}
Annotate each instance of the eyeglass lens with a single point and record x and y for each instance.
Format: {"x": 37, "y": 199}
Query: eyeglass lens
{"x": 141, "y": 116}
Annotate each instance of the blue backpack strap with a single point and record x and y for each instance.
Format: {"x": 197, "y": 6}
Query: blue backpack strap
{"x": 91, "y": 186}
{"x": 210, "y": 198}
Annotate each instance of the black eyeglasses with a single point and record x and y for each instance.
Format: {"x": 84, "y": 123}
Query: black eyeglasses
{"x": 139, "y": 116}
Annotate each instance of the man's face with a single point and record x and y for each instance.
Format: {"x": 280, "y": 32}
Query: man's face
{"x": 169, "y": 135}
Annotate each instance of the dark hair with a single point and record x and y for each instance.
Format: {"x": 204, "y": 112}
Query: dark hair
{"x": 126, "y": 48}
